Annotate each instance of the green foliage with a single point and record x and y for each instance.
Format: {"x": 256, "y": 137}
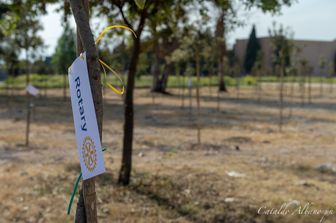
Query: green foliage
{"x": 272, "y": 6}
{"x": 65, "y": 51}
{"x": 140, "y": 3}
{"x": 21, "y": 35}
{"x": 252, "y": 49}
{"x": 144, "y": 81}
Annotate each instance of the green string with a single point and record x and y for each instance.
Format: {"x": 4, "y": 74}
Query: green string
{"x": 75, "y": 189}
{"x": 74, "y": 192}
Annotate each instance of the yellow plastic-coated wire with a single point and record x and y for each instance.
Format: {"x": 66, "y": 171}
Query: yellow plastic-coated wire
{"x": 113, "y": 27}
{"x": 104, "y": 65}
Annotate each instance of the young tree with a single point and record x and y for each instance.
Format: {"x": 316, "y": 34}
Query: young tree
{"x": 309, "y": 73}
{"x": 64, "y": 53}
{"x": 322, "y": 66}
{"x": 303, "y": 71}
{"x": 257, "y": 72}
{"x": 135, "y": 14}
{"x": 179, "y": 57}
{"x": 27, "y": 39}
{"x": 282, "y": 51}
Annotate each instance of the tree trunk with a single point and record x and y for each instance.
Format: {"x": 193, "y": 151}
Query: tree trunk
{"x": 321, "y": 84}
{"x": 160, "y": 81}
{"x": 183, "y": 88}
{"x": 237, "y": 74}
{"x": 86, "y": 206}
{"x": 302, "y": 84}
{"x": 28, "y": 102}
{"x": 291, "y": 94}
{"x": 45, "y": 86}
{"x": 309, "y": 88}
{"x": 282, "y": 70}
{"x": 258, "y": 85}
{"x": 178, "y": 77}
{"x": 210, "y": 84}
{"x": 64, "y": 86}
{"x": 198, "y": 98}
{"x": 220, "y": 38}
{"x": 190, "y": 93}
{"x": 126, "y": 163}
{"x": 126, "y": 166}
{"x": 218, "y": 100}
{"x": 156, "y": 86}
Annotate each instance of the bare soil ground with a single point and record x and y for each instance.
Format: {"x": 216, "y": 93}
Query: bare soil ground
{"x": 243, "y": 168}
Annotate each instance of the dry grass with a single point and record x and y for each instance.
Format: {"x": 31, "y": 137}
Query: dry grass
{"x": 174, "y": 180}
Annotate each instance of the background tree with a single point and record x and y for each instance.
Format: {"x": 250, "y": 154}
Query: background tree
{"x": 135, "y": 15}
{"x": 25, "y": 40}
{"x": 165, "y": 38}
{"x": 221, "y": 45}
{"x": 227, "y": 20}
{"x": 252, "y": 49}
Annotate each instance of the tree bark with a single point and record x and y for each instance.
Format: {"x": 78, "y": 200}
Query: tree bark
{"x": 161, "y": 81}
{"x": 86, "y": 41}
{"x": 156, "y": 67}
{"x": 126, "y": 163}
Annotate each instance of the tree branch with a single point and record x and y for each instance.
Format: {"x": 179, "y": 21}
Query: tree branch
{"x": 141, "y": 25}
{"x": 120, "y": 7}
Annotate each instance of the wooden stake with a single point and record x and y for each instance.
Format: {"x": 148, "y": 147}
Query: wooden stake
{"x": 87, "y": 212}
{"x": 28, "y": 103}
{"x": 198, "y": 98}
{"x": 282, "y": 71}
{"x": 183, "y": 87}
{"x": 190, "y": 93}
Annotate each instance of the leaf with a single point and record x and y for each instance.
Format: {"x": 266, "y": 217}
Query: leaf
{"x": 140, "y": 3}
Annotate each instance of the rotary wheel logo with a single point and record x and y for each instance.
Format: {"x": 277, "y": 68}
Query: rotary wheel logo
{"x": 89, "y": 154}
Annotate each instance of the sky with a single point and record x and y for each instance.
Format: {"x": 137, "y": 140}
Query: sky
{"x": 307, "y": 19}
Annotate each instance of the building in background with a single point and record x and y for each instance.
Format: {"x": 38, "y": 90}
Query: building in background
{"x": 309, "y": 50}
{"x": 3, "y": 75}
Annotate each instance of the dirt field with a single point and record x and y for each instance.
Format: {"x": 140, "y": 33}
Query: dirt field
{"x": 244, "y": 168}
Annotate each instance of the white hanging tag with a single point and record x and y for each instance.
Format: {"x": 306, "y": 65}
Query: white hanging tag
{"x": 85, "y": 121}
{"x": 32, "y": 90}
